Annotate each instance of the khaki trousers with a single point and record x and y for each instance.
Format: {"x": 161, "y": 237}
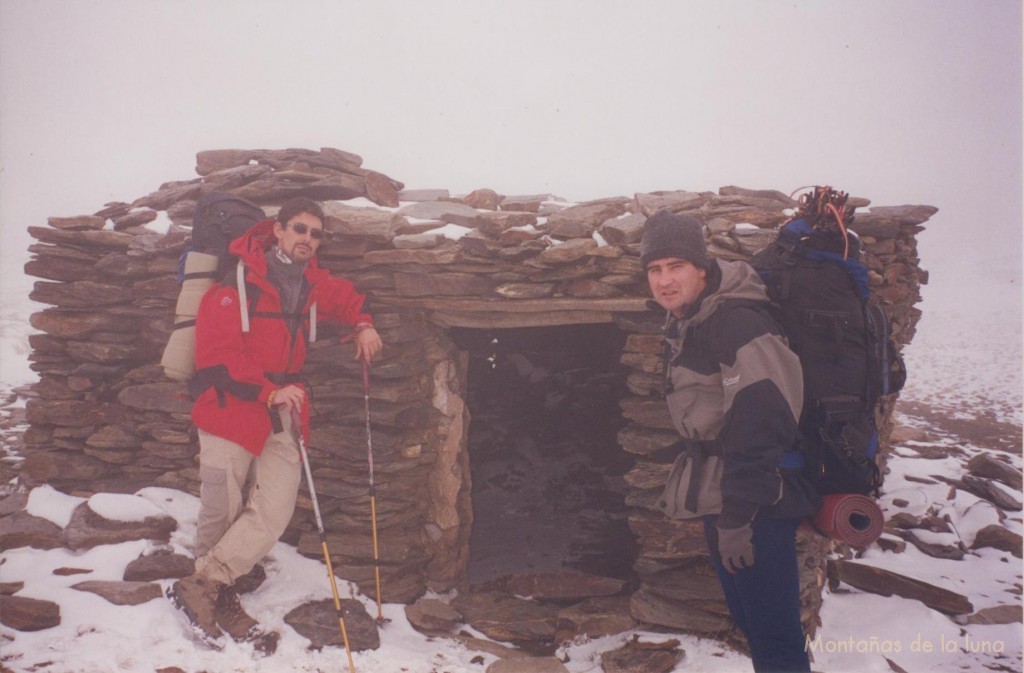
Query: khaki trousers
{"x": 236, "y": 528}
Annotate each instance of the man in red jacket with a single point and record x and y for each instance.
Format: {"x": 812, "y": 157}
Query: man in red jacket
{"x": 250, "y": 347}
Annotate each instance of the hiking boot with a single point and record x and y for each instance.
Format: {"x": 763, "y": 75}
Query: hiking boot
{"x": 232, "y": 617}
{"x": 250, "y": 581}
{"x": 196, "y": 596}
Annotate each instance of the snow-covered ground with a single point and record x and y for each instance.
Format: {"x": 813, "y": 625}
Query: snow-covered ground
{"x": 965, "y": 386}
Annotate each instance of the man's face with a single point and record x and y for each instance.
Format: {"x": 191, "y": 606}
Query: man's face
{"x": 675, "y": 283}
{"x": 299, "y": 247}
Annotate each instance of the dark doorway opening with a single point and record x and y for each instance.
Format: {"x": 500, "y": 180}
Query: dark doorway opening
{"x": 547, "y": 471}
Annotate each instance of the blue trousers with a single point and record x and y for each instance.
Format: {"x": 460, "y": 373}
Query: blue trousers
{"x": 764, "y": 599}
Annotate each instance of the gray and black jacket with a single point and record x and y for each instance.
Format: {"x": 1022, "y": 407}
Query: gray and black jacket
{"x": 734, "y": 392}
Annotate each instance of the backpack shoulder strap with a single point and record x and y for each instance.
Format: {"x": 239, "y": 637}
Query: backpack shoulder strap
{"x": 243, "y": 302}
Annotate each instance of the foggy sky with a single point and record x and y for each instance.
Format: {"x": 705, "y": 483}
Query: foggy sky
{"x": 899, "y": 101}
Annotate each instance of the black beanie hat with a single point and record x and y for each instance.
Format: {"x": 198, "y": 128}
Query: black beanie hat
{"x": 668, "y": 234}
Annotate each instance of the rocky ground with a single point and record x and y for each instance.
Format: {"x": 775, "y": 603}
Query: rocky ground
{"x": 952, "y": 545}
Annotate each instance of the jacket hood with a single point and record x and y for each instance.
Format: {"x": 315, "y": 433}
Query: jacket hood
{"x": 251, "y": 246}
{"x": 738, "y": 280}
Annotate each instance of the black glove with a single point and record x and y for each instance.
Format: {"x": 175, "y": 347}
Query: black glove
{"x": 736, "y": 547}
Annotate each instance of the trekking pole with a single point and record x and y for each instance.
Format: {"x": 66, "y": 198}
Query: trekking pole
{"x": 297, "y": 429}
{"x": 373, "y": 491}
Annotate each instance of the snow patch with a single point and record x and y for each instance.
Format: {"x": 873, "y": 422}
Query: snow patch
{"x": 48, "y": 503}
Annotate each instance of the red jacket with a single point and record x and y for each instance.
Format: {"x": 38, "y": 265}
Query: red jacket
{"x": 236, "y": 368}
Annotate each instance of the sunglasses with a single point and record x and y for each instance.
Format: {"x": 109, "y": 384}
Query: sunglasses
{"x": 302, "y": 229}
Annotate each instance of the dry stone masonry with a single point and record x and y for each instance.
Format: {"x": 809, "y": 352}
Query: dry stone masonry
{"x": 104, "y": 419}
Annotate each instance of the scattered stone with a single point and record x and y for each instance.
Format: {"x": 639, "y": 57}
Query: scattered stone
{"x": 999, "y": 614}
{"x": 433, "y": 617}
{"x": 886, "y": 543}
{"x": 88, "y": 529}
{"x": 945, "y": 547}
{"x": 999, "y": 537}
{"x": 68, "y": 572}
{"x": 21, "y": 529}
{"x": 318, "y": 622}
{"x": 29, "y": 614}
{"x": 162, "y": 565}
{"x": 638, "y": 657}
{"x": 122, "y": 593}
{"x": 10, "y": 588}
{"x": 903, "y": 520}
{"x": 528, "y": 665}
{"x": 989, "y": 490}
{"x": 888, "y": 583}
{"x": 990, "y": 467}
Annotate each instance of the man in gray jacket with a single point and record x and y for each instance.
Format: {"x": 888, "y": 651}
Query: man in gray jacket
{"x": 734, "y": 391}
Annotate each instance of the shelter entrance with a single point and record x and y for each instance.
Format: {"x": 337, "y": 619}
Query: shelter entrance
{"x": 547, "y": 470}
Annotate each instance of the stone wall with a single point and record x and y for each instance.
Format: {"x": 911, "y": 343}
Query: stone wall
{"x": 105, "y": 419}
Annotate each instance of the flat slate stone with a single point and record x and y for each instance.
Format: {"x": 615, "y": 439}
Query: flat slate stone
{"x": 999, "y": 614}
{"x": 999, "y": 537}
{"x": 10, "y": 588}
{"x": 887, "y": 583}
{"x": 21, "y": 529}
{"x": 122, "y": 593}
{"x": 159, "y": 566}
{"x": 988, "y": 466}
{"x": 29, "y": 614}
{"x": 318, "y": 621}
{"x": 88, "y": 529}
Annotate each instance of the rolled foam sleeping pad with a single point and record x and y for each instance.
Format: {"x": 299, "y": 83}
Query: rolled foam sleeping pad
{"x": 179, "y": 358}
{"x": 850, "y": 517}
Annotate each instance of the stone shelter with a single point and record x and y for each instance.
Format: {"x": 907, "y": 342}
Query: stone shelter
{"x": 519, "y": 377}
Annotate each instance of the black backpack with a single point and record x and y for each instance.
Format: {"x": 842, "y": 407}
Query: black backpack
{"x": 819, "y": 290}
{"x": 220, "y": 218}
